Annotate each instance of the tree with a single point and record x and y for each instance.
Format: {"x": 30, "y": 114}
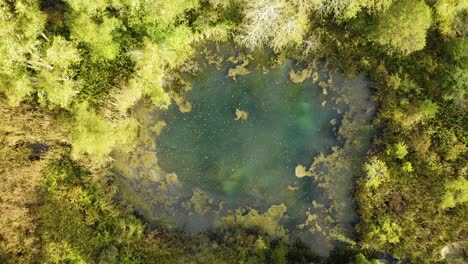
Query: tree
{"x": 98, "y": 36}
{"x": 93, "y": 8}
{"x": 454, "y": 72}
{"x": 456, "y": 193}
{"x": 278, "y": 23}
{"x": 428, "y": 109}
{"x": 156, "y": 19}
{"x": 31, "y": 62}
{"x": 91, "y": 24}
{"x": 56, "y": 84}
{"x": 400, "y": 150}
{"x": 291, "y": 31}
{"x": 22, "y": 23}
{"x": 346, "y": 9}
{"x": 403, "y": 27}
{"x": 62, "y": 53}
{"x": 446, "y": 13}
{"x": 376, "y": 173}
{"x": 166, "y": 12}
{"x": 95, "y": 136}
{"x": 415, "y": 114}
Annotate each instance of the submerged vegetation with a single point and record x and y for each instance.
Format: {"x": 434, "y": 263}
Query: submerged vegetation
{"x": 83, "y": 82}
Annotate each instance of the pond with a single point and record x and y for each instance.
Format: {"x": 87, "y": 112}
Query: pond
{"x": 243, "y": 150}
{"x": 246, "y": 161}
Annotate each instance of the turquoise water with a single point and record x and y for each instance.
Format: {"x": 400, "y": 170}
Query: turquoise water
{"x": 247, "y": 162}
{"x": 236, "y": 151}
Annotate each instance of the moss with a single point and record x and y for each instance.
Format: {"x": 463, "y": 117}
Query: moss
{"x": 268, "y": 222}
{"x": 239, "y": 69}
{"x": 301, "y": 76}
{"x": 200, "y": 203}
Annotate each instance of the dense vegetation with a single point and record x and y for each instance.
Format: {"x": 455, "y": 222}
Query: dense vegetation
{"x": 72, "y": 72}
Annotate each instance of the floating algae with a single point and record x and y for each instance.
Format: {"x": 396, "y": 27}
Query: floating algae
{"x": 241, "y": 115}
{"x": 250, "y": 169}
{"x": 302, "y": 172}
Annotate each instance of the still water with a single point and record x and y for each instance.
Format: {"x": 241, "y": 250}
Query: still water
{"x": 234, "y": 156}
{"x": 249, "y": 161}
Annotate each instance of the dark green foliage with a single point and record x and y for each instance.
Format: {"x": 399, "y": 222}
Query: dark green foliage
{"x": 454, "y": 70}
{"x": 97, "y": 77}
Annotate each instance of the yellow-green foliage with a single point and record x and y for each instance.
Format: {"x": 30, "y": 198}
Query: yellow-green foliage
{"x": 446, "y": 12}
{"x": 269, "y": 222}
{"x": 151, "y": 64}
{"x": 21, "y": 24}
{"x": 99, "y": 36}
{"x": 62, "y": 53}
{"x": 400, "y": 150}
{"x": 376, "y": 173}
{"x": 407, "y": 167}
{"x": 91, "y": 8}
{"x": 176, "y": 49}
{"x": 345, "y": 10}
{"x": 91, "y": 62}
{"x": 17, "y": 89}
{"x": 166, "y": 11}
{"x": 386, "y": 232}
{"x": 291, "y": 32}
{"x": 411, "y": 115}
{"x": 456, "y": 193}
{"x": 149, "y": 73}
{"x": 56, "y": 86}
{"x": 56, "y": 90}
{"x": 97, "y": 137}
{"x": 403, "y": 27}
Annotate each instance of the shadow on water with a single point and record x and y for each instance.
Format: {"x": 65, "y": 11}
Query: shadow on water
{"x": 211, "y": 167}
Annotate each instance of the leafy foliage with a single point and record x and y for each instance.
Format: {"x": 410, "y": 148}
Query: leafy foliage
{"x": 403, "y": 28}
{"x": 456, "y": 193}
{"x": 376, "y": 173}
{"x": 72, "y": 72}
{"x": 96, "y": 136}
{"x": 345, "y": 10}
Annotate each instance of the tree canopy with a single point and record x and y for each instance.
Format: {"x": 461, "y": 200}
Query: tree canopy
{"x": 404, "y": 26}
{"x": 76, "y": 77}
